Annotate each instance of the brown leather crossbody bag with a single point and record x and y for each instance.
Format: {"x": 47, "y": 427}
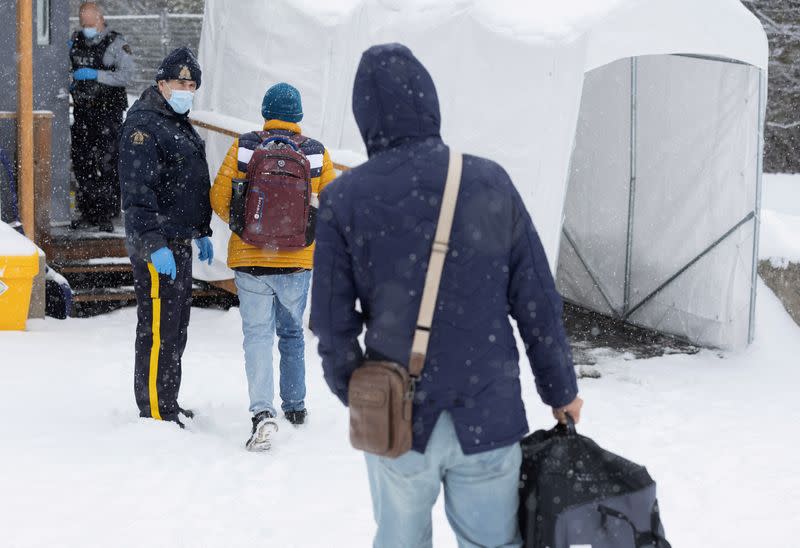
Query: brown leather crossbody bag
{"x": 381, "y": 393}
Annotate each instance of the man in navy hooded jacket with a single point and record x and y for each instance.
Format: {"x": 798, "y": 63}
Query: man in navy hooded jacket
{"x": 374, "y": 234}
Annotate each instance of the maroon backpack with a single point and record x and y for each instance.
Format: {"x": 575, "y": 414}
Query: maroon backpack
{"x": 274, "y": 203}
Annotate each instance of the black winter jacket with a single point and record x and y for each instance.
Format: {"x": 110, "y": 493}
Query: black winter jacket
{"x": 164, "y": 177}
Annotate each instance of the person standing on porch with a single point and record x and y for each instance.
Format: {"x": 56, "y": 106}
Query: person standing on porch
{"x": 102, "y": 66}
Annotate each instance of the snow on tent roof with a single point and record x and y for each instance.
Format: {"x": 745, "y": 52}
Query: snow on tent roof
{"x": 523, "y": 17}
{"x": 661, "y": 25}
{"x": 511, "y": 77}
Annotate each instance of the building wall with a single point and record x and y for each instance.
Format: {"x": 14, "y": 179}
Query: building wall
{"x": 51, "y": 84}
{"x": 51, "y": 71}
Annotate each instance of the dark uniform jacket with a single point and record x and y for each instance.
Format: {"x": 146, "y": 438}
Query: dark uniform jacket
{"x": 374, "y": 233}
{"x": 164, "y": 177}
{"x": 107, "y": 92}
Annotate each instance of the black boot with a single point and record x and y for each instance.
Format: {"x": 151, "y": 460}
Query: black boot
{"x": 296, "y": 417}
{"x": 105, "y": 225}
{"x": 83, "y": 222}
{"x": 263, "y": 426}
{"x": 188, "y": 413}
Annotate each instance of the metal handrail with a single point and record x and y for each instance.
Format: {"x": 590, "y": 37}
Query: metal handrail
{"x": 231, "y": 133}
{"x": 147, "y": 16}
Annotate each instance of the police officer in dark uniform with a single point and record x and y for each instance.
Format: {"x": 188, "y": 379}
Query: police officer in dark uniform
{"x": 165, "y": 199}
{"x": 102, "y": 66}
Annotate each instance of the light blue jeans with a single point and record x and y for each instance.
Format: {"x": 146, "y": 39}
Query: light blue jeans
{"x": 480, "y": 493}
{"x": 270, "y": 305}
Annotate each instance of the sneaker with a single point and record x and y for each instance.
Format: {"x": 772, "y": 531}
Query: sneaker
{"x": 263, "y": 426}
{"x": 296, "y": 417}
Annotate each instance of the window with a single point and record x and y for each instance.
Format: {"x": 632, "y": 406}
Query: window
{"x": 43, "y": 22}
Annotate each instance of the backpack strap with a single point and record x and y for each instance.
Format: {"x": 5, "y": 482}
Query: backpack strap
{"x": 298, "y": 139}
{"x": 281, "y": 139}
{"x": 646, "y": 539}
{"x": 253, "y": 139}
{"x": 247, "y": 144}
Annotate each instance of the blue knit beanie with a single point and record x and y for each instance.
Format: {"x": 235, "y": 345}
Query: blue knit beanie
{"x": 282, "y": 102}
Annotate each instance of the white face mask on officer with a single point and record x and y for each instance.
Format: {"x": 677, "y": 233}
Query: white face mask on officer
{"x": 90, "y": 32}
{"x": 180, "y": 100}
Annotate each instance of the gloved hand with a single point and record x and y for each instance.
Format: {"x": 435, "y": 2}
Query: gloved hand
{"x": 164, "y": 261}
{"x": 206, "y": 249}
{"x": 85, "y": 73}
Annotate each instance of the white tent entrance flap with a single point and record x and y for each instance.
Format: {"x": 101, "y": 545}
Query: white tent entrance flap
{"x": 660, "y": 225}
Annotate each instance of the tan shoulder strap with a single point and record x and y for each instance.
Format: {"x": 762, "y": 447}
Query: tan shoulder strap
{"x": 441, "y": 245}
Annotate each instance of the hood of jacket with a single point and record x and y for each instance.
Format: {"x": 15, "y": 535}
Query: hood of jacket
{"x": 152, "y": 100}
{"x": 394, "y": 99}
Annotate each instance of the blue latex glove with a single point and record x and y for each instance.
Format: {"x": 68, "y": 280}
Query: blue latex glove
{"x": 206, "y": 249}
{"x": 85, "y": 74}
{"x": 164, "y": 261}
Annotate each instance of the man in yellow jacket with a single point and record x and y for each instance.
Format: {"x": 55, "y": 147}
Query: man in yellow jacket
{"x": 272, "y": 284}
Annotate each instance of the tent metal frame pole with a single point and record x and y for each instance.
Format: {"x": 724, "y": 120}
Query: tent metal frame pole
{"x": 626, "y": 303}
{"x": 574, "y": 246}
{"x": 757, "y": 221}
{"x": 712, "y": 58}
{"x": 690, "y": 264}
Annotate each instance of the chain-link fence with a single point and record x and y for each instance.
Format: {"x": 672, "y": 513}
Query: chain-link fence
{"x": 151, "y": 37}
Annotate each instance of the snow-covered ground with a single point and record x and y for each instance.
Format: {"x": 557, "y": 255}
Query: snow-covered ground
{"x": 79, "y": 469}
{"x": 719, "y": 432}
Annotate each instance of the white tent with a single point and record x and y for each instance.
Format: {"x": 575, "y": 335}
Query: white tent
{"x": 631, "y": 127}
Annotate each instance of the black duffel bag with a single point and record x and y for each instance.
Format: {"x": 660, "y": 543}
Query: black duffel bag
{"x": 575, "y": 493}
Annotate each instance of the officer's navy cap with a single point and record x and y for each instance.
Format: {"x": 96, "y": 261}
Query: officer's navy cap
{"x": 180, "y": 64}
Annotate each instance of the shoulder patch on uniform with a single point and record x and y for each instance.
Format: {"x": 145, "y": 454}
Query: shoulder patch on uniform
{"x": 127, "y": 49}
{"x": 138, "y": 137}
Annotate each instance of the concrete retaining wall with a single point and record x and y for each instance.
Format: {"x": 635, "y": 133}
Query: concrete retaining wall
{"x": 785, "y": 283}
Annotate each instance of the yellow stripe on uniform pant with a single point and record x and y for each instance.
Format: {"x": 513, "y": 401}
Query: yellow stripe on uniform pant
{"x": 156, "y": 347}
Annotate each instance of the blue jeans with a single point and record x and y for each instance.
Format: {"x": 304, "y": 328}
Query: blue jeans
{"x": 480, "y": 493}
{"x": 270, "y": 305}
